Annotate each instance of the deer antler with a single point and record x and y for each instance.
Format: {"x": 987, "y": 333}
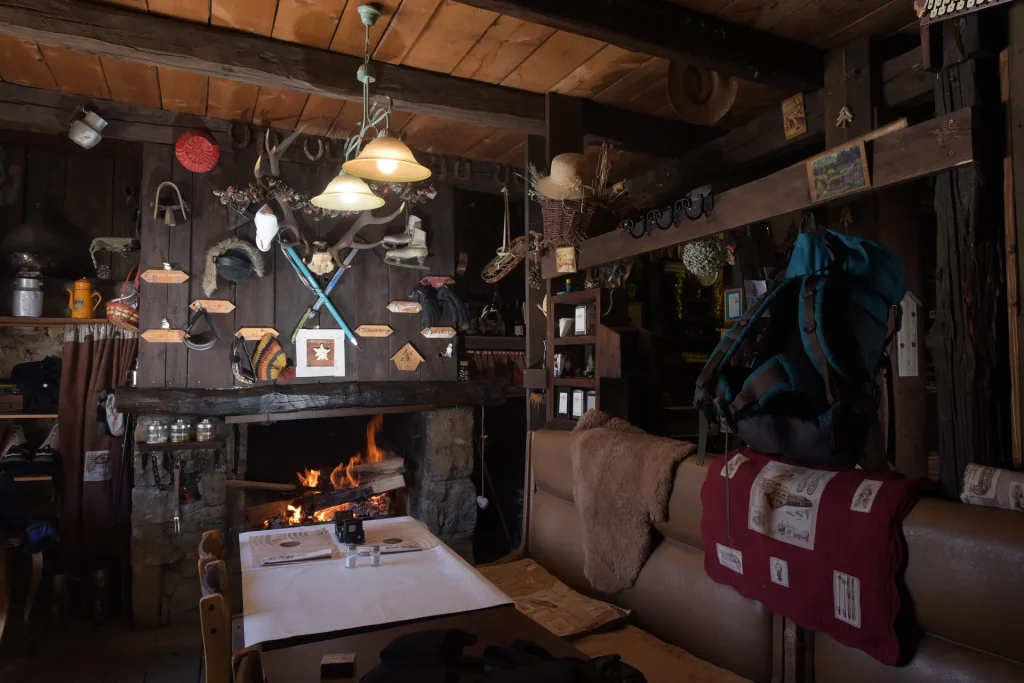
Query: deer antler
{"x": 274, "y": 152}
{"x": 348, "y": 240}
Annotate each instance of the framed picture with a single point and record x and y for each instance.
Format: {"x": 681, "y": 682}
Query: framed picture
{"x": 565, "y": 259}
{"x": 320, "y": 353}
{"x": 838, "y": 172}
{"x": 794, "y": 117}
{"x": 733, "y": 304}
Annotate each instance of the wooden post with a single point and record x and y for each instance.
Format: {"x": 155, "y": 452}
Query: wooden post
{"x": 968, "y": 339}
{"x": 1014, "y": 198}
{"x": 536, "y": 324}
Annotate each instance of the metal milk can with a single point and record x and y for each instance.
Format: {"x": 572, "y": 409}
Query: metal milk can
{"x": 28, "y": 296}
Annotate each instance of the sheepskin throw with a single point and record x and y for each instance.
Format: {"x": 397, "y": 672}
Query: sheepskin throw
{"x": 623, "y": 478}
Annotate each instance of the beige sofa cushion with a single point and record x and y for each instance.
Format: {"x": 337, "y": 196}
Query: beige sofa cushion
{"x": 549, "y": 602}
{"x": 657, "y": 660}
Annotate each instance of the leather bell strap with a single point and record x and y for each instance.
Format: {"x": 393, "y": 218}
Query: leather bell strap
{"x": 205, "y": 340}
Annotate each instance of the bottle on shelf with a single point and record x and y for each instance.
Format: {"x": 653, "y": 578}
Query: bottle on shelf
{"x": 518, "y": 324}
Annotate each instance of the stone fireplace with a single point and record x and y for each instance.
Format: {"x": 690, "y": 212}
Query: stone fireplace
{"x": 436, "y": 445}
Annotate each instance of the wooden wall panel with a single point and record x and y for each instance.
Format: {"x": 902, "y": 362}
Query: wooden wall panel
{"x": 255, "y": 16}
{"x": 406, "y": 326}
{"x": 179, "y": 250}
{"x": 211, "y": 369}
{"x": 182, "y": 91}
{"x": 291, "y": 298}
{"x": 156, "y": 168}
{"x": 279, "y": 108}
{"x": 87, "y": 197}
{"x": 132, "y": 82}
{"x": 439, "y": 220}
{"x": 552, "y": 61}
{"x": 12, "y": 187}
{"x": 371, "y": 288}
{"x": 350, "y": 36}
{"x": 231, "y": 100}
{"x": 300, "y": 21}
{"x": 22, "y": 62}
{"x": 495, "y": 144}
{"x": 76, "y": 73}
{"x": 452, "y": 32}
{"x": 123, "y": 220}
{"x": 824, "y": 16}
{"x": 504, "y": 47}
{"x": 651, "y": 72}
{"x": 193, "y": 10}
{"x": 403, "y": 30}
{"x": 458, "y": 139}
{"x": 423, "y": 132}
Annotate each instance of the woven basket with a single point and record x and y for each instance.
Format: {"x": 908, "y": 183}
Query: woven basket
{"x": 121, "y": 314}
{"x": 568, "y": 222}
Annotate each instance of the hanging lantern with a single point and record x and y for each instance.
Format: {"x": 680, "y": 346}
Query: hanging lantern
{"x": 347, "y": 193}
{"x": 387, "y": 159}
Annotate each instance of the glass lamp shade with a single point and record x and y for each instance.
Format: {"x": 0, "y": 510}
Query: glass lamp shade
{"x": 387, "y": 159}
{"x": 347, "y": 193}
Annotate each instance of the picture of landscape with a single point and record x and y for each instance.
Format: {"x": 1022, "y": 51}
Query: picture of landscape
{"x": 838, "y": 172}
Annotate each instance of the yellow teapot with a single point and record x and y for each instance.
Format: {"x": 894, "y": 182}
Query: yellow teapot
{"x": 81, "y": 300}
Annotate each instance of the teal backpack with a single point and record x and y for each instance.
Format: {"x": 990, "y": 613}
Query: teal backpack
{"x": 811, "y": 393}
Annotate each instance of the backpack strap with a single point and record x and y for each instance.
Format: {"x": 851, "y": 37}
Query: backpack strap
{"x": 810, "y": 332}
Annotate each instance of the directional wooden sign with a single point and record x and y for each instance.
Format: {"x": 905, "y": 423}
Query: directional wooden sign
{"x": 438, "y": 332}
{"x": 254, "y": 333}
{"x": 161, "y": 336}
{"x": 407, "y": 358}
{"x": 404, "y": 307}
{"x": 374, "y": 331}
{"x": 164, "y": 276}
{"x": 436, "y": 281}
{"x": 212, "y": 305}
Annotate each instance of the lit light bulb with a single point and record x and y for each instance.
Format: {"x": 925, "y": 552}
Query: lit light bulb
{"x": 388, "y": 166}
{"x": 348, "y": 198}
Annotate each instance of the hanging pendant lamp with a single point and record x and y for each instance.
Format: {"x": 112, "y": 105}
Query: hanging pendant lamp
{"x": 347, "y": 193}
{"x": 385, "y": 158}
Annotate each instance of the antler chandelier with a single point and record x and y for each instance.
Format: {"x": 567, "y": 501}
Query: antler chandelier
{"x": 385, "y": 158}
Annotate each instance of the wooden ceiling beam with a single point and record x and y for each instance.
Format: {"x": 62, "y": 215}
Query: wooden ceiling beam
{"x": 108, "y": 31}
{"x": 925, "y": 149}
{"x": 668, "y": 30}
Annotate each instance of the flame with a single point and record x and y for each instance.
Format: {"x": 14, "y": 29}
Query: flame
{"x": 374, "y": 454}
{"x": 343, "y": 476}
{"x": 294, "y": 514}
{"x": 311, "y": 479}
{"x": 378, "y": 503}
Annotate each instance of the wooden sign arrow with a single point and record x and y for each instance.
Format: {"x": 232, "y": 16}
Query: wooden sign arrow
{"x": 165, "y": 276}
{"x": 438, "y": 332}
{"x": 254, "y": 333}
{"x": 212, "y": 305}
{"x": 161, "y": 336}
{"x": 404, "y": 307}
{"x": 407, "y": 358}
{"x": 374, "y": 331}
{"x": 436, "y": 281}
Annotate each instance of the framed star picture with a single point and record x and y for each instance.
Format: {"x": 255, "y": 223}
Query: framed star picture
{"x": 320, "y": 353}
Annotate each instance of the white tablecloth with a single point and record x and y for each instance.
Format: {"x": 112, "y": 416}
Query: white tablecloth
{"x": 322, "y": 596}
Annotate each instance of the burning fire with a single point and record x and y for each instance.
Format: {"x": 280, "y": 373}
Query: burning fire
{"x": 294, "y": 514}
{"x": 374, "y": 505}
{"x": 343, "y": 476}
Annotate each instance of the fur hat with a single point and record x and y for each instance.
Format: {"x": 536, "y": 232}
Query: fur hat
{"x": 219, "y": 249}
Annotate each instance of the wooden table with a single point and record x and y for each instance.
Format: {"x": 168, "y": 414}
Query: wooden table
{"x": 301, "y": 663}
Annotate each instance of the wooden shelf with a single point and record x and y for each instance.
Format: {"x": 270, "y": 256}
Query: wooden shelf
{"x": 576, "y": 341}
{"x": 476, "y": 342}
{"x": 179, "y": 446}
{"x": 28, "y": 416}
{"x": 581, "y": 296}
{"x": 580, "y": 382}
{"x": 13, "y": 321}
{"x": 24, "y": 478}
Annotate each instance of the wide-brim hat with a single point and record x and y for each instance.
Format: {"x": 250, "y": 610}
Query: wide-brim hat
{"x": 570, "y": 175}
{"x": 699, "y": 96}
{"x": 234, "y": 266}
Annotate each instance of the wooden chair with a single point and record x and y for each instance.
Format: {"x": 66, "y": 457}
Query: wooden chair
{"x": 246, "y": 666}
{"x": 222, "y": 632}
{"x": 7, "y": 545}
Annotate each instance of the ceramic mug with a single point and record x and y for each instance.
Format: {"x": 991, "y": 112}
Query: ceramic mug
{"x": 86, "y": 128}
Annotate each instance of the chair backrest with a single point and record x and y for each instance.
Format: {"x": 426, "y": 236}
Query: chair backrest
{"x": 215, "y": 618}
{"x": 210, "y": 549}
{"x": 247, "y": 666}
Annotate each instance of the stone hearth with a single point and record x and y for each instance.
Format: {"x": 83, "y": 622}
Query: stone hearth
{"x": 165, "y": 583}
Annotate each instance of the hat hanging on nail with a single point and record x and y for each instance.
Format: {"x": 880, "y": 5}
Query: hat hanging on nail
{"x": 570, "y": 175}
{"x": 197, "y": 151}
{"x": 232, "y": 259}
{"x": 267, "y": 227}
{"x": 698, "y": 95}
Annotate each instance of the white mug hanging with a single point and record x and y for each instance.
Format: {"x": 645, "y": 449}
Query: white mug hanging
{"x": 86, "y": 128}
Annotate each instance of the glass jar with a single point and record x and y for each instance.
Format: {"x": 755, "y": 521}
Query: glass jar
{"x": 157, "y": 432}
{"x": 181, "y": 430}
{"x": 206, "y": 430}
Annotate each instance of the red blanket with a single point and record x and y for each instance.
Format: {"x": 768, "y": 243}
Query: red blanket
{"x": 822, "y": 547}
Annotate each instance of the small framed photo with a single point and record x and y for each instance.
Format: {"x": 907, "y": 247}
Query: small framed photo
{"x": 838, "y": 172}
{"x": 794, "y": 116}
{"x": 565, "y": 259}
{"x": 733, "y": 304}
{"x": 320, "y": 353}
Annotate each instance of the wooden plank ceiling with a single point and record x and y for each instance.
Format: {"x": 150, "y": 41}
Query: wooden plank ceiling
{"x": 439, "y": 35}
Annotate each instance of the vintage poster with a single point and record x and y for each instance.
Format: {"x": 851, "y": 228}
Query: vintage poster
{"x": 97, "y": 466}
{"x": 784, "y": 501}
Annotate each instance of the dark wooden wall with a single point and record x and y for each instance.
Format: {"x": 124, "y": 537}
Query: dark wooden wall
{"x": 279, "y": 299}
{"x": 46, "y": 177}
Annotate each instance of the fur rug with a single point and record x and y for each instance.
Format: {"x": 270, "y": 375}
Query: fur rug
{"x": 623, "y": 478}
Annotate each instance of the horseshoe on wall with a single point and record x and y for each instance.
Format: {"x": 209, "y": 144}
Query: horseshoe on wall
{"x": 330, "y": 154}
{"x": 246, "y": 137}
{"x": 502, "y": 175}
{"x": 469, "y": 170}
{"x": 319, "y": 149}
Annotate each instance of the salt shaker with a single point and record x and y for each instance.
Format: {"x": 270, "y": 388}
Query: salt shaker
{"x": 374, "y": 555}
{"x": 351, "y": 555}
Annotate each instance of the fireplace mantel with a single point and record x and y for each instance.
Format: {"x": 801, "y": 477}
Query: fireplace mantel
{"x": 263, "y": 400}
